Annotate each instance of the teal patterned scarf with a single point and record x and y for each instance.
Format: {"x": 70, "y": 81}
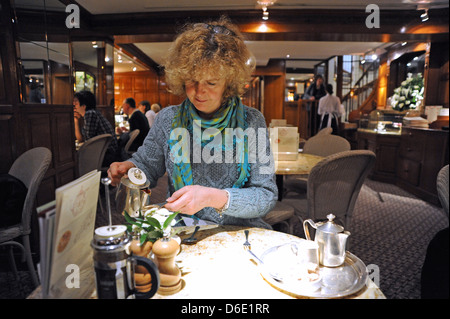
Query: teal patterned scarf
{"x": 232, "y": 115}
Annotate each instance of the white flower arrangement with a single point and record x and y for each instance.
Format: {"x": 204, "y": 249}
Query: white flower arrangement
{"x": 409, "y": 95}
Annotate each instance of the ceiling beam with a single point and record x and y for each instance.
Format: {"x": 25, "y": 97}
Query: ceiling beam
{"x": 283, "y": 25}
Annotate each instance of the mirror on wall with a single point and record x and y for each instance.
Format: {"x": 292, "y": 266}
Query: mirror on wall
{"x": 59, "y": 73}
{"x": 33, "y": 88}
{"x": 93, "y": 69}
{"x": 43, "y": 64}
{"x": 85, "y": 61}
{"x": 45, "y": 72}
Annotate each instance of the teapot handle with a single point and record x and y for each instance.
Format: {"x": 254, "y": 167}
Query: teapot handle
{"x": 305, "y": 228}
{"x": 154, "y": 273}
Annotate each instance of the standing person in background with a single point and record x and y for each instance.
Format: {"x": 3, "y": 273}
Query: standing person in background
{"x": 85, "y": 110}
{"x": 137, "y": 120}
{"x": 314, "y": 93}
{"x": 316, "y": 90}
{"x": 329, "y": 110}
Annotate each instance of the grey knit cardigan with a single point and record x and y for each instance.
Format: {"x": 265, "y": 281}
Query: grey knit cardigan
{"x": 247, "y": 205}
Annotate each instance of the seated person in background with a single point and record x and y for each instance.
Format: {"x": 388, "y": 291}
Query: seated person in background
{"x": 144, "y": 107}
{"x": 85, "y": 110}
{"x": 155, "y": 108}
{"x": 137, "y": 120}
{"x": 329, "y": 110}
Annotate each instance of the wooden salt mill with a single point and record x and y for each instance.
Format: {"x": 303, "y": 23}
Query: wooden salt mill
{"x": 165, "y": 250}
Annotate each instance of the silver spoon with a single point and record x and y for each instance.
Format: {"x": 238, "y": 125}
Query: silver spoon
{"x": 191, "y": 239}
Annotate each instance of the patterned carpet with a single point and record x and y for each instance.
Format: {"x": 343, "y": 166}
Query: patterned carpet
{"x": 390, "y": 228}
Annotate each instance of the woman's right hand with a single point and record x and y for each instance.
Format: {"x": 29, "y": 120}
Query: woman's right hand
{"x": 117, "y": 170}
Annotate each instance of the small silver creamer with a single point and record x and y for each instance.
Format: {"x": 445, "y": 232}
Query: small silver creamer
{"x": 331, "y": 239}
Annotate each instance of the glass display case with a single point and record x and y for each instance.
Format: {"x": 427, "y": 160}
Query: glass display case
{"x": 382, "y": 121}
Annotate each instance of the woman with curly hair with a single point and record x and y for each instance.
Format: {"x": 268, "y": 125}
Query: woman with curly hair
{"x": 214, "y": 149}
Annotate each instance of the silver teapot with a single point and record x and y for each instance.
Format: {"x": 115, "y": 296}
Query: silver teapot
{"x": 133, "y": 192}
{"x": 331, "y": 239}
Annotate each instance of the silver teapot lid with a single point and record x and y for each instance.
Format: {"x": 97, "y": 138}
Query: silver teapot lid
{"x": 330, "y": 226}
{"x": 136, "y": 179}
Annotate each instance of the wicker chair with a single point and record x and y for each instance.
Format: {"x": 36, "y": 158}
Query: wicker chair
{"x": 133, "y": 135}
{"x": 324, "y": 131}
{"x": 333, "y": 186}
{"x": 326, "y": 144}
{"x": 30, "y": 168}
{"x": 282, "y": 214}
{"x": 92, "y": 152}
{"x": 322, "y": 144}
{"x": 442, "y": 188}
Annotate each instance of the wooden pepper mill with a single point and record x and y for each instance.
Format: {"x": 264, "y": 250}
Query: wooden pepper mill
{"x": 165, "y": 250}
{"x": 142, "y": 277}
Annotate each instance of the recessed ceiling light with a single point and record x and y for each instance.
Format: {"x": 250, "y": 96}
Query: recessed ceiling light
{"x": 262, "y": 28}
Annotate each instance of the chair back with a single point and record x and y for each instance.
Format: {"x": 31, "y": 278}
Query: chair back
{"x": 133, "y": 135}
{"x": 92, "y": 152}
{"x": 335, "y": 182}
{"x": 326, "y": 144}
{"x": 442, "y": 187}
{"x": 324, "y": 131}
{"x": 30, "y": 168}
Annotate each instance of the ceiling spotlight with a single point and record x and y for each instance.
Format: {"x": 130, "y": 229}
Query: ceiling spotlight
{"x": 424, "y": 16}
{"x": 264, "y": 5}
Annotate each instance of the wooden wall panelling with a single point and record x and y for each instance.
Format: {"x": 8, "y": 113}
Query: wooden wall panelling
{"x": 6, "y": 137}
{"x": 274, "y": 85}
{"x": 152, "y": 89}
{"x": 141, "y": 85}
{"x": 273, "y": 97}
{"x": 2, "y": 78}
{"x": 291, "y": 113}
{"x": 436, "y": 77}
{"x": 51, "y": 126}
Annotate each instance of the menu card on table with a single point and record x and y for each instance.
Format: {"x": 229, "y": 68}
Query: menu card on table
{"x": 284, "y": 142}
{"x": 67, "y": 269}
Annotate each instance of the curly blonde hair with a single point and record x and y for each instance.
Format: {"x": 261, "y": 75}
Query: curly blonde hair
{"x": 215, "y": 47}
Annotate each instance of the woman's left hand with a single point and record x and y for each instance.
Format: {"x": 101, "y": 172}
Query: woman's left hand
{"x": 191, "y": 199}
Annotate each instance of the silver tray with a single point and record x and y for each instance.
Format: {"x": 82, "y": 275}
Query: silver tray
{"x": 336, "y": 282}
